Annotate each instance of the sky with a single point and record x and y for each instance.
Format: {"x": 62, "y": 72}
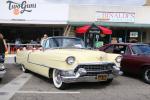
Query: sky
{"x": 102, "y": 2}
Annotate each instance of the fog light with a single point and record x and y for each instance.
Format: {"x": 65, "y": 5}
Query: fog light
{"x": 82, "y": 71}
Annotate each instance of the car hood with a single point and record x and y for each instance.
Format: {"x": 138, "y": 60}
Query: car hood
{"x": 81, "y": 55}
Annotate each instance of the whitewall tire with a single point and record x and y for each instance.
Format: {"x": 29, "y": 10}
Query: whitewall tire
{"x": 23, "y": 69}
{"x": 57, "y": 80}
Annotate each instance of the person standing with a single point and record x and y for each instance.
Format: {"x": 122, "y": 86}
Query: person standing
{"x": 43, "y": 39}
{"x": 114, "y": 40}
{"x": 3, "y": 48}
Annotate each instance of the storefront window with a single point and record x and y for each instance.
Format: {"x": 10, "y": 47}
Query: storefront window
{"x": 28, "y": 33}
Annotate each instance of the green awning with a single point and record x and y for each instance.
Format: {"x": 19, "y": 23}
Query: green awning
{"x": 111, "y": 24}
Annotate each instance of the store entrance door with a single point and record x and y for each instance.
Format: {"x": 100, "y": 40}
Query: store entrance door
{"x": 92, "y": 35}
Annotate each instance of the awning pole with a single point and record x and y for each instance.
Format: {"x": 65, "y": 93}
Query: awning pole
{"x": 141, "y": 36}
{"x": 84, "y": 39}
{"x": 66, "y": 30}
{"x": 125, "y": 36}
{"x": 110, "y": 39}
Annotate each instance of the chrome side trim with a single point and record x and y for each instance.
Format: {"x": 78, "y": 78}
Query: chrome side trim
{"x": 96, "y": 63}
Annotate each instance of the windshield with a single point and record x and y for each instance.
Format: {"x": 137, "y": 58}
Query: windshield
{"x": 66, "y": 43}
{"x": 141, "y": 49}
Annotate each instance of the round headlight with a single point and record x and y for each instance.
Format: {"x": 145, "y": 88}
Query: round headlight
{"x": 118, "y": 59}
{"x": 70, "y": 60}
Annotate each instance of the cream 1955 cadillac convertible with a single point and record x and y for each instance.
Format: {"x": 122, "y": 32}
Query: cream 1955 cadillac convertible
{"x": 65, "y": 60}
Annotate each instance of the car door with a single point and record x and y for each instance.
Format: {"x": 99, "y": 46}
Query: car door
{"x": 37, "y": 60}
{"x": 127, "y": 61}
{"x": 131, "y": 62}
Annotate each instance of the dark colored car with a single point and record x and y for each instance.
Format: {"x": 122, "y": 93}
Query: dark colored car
{"x": 136, "y": 58}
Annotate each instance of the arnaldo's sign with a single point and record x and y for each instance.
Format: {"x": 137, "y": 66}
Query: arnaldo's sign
{"x": 115, "y": 16}
{"x": 20, "y": 7}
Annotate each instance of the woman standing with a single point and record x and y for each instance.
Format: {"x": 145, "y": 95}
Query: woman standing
{"x": 3, "y": 48}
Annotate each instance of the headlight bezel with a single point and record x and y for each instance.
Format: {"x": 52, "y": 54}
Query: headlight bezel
{"x": 70, "y": 60}
{"x": 118, "y": 59}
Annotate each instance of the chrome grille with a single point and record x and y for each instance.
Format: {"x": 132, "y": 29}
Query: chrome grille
{"x": 95, "y": 69}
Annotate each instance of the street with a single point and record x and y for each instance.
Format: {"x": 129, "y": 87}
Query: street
{"x": 17, "y": 85}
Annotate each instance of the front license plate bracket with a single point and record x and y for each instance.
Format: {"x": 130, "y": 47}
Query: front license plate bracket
{"x": 102, "y": 77}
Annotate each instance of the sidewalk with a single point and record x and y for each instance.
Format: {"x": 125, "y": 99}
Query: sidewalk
{"x": 10, "y": 58}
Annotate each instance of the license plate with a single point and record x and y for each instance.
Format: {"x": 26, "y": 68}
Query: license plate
{"x": 102, "y": 77}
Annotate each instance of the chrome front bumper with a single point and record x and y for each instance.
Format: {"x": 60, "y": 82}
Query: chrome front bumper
{"x": 83, "y": 79}
{"x": 81, "y": 76}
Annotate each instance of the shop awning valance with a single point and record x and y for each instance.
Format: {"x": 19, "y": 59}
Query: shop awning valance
{"x": 82, "y": 30}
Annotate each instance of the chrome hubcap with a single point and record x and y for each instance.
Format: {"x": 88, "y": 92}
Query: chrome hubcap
{"x": 57, "y": 78}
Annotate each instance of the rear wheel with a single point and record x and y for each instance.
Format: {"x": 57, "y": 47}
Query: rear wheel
{"x": 57, "y": 80}
{"x": 146, "y": 75}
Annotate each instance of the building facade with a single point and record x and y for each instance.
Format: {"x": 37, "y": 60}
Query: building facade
{"x": 30, "y": 19}
{"x": 126, "y": 22}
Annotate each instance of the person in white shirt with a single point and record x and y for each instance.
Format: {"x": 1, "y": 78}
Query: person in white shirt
{"x": 43, "y": 39}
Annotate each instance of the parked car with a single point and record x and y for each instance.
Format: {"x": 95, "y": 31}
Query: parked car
{"x": 65, "y": 60}
{"x": 2, "y": 71}
{"x": 2, "y": 67}
{"x": 136, "y": 58}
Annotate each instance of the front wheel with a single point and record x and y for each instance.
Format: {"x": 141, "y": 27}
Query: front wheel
{"x": 23, "y": 69}
{"x": 57, "y": 80}
{"x": 146, "y": 75}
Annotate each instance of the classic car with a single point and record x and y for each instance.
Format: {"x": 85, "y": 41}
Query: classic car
{"x": 65, "y": 60}
{"x": 136, "y": 58}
